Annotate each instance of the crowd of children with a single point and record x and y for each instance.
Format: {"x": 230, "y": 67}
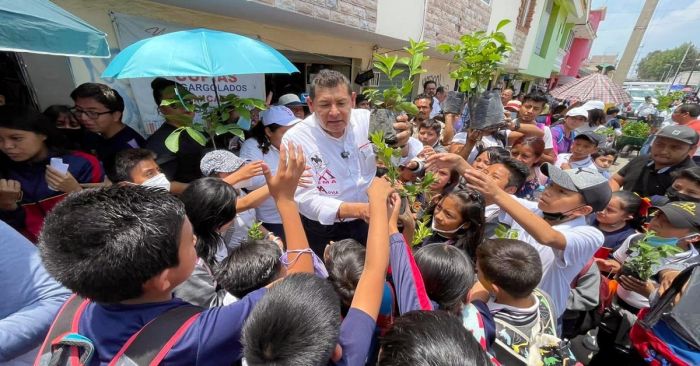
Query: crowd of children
{"x": 201, "y": 257}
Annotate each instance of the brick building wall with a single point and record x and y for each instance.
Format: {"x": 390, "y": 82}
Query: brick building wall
{"x": 447, "y": 20}
{"x": 360, "y": 14}
{"x": 518, "y": 42}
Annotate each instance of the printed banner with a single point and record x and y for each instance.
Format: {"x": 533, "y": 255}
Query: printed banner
{"x": 131, "y": 29}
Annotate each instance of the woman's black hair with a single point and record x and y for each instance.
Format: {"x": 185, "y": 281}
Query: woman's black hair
{"x": 471, "y": 208}
{"x": 631, "y": 203}
{"x": 24, "y": 119}
{"x": 346, "y": 260}
{"x": 210, "y": 203}
{"x": 54, "y": 111}
{"x": 258, "y": 132}
{"x": 448, "y": 275}
{"x": 596, "y": 117}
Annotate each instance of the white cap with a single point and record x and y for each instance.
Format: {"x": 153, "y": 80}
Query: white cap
{"x": 593, "y": 104}
{"x": 577, "y": 112}
{"x": 279, "y": 115}
{"x": 290, "y": 100}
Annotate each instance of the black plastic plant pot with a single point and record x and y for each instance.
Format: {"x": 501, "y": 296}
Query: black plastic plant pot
{"x": 630, "y": 272}
{"x": 383, "y": 120}
{"x": 488, "y": 112}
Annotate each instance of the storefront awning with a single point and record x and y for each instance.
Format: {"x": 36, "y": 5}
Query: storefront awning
{"x": 40, "y": 26}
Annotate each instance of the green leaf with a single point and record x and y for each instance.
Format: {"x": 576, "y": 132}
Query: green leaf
{"x": 236, "y": 131}
{"x": 196, "y": 135}
{"x": 220, "y": 130}
{"x": 172, "y": 142}
{"x": 502, "y": 24}
{"x": 408, "y": 107}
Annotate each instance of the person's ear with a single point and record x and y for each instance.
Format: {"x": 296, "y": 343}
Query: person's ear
{"x": 510, "y": 190}
{"x": 117, "y": 116}
{"x": 310, "y": 103}
{"x": 583, "y": 211}
{"x": 337, "y": 354}
{"x": 158, "y": 283}
{"x": 353, "y": 97}
{"x": 42, "y": 137}
{"x": 268, "y": 133}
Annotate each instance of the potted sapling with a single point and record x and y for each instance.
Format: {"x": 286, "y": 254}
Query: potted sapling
{"x": 645, "y": 258}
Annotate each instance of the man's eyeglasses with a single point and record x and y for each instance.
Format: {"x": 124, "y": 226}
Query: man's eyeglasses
{"x": 90, "y": 114}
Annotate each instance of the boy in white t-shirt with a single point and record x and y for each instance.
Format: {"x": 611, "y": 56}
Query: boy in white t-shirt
{"x": 584, "y": 144}
{"x": 558, "y": 229}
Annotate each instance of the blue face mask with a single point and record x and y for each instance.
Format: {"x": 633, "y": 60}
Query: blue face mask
{"x": 657, "y": 241}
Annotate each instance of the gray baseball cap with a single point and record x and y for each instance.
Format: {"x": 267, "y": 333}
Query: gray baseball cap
{"x": 682, "y": 214}
{"x": 220, "y": 161}
{"x": 592, "y": 185}
{"x": 590, "y": 136}
{"x": 680, "y": 133}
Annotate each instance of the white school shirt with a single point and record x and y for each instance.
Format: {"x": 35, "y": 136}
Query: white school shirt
{"x": 342, "y": 168}
{"x": 585, "y": 163}
{"x": 560, "y": 267}
{"x": 621, "y": 255}
{"x": 267, "y": 211}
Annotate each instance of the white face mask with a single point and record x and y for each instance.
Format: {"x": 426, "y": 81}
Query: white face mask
{"x": 439, "y": 231}
{"x": 159, "y": 181}
{"x": 243, "y": 184}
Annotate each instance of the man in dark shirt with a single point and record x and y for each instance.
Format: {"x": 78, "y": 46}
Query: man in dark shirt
{"x": 650, "y": 175}
{"x": 99, "y": 109}
{"x": 182, "y": 166}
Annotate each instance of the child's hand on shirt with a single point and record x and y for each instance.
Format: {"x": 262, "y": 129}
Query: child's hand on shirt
{"x": 291, "y": 166}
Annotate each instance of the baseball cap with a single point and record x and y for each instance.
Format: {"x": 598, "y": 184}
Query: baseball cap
{"x": 513, "y": 105}
{"x": 279, "y": 115}
{"x": 681, "y": 214}
{"x": 587, "y": 181}
{"x": 680, "y": 133}
{"x": 220, "y": 161}
{"x": 590, "y": 136}
{"x": 290, "y": 100}
{"x": 577, "y": 112}
{"x": 593, "y": 104}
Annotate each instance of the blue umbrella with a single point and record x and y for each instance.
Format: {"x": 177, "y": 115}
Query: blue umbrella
{"x": 197, "y": 52}
{"x": 39, "y": 26}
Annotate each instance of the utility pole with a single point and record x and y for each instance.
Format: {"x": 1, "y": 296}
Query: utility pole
{"x": 623, "y": 67}
{"x": 692, "y": 69}
{"x": 678, "y": 70}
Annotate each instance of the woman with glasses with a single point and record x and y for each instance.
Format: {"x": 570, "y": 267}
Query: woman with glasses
{"x": 36, "y": 172}
{"x": 99, "y": 110}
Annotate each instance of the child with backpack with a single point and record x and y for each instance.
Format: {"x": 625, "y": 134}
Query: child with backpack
{"x": 128, "y": 247}
{"x": 509, "y": 270}
{"x": 563, "y": 134}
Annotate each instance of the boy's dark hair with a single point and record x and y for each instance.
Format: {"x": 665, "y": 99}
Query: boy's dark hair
{"x": 346, "y": 260}
{"x": 692, "y": 109}
{"x": 102, "y": 93}
{"x": 126, "y": 160}
{"x": 210, "y": 204}
{"x": 430, "y": 338}
{"x": 160, "y": 84}
{"x": 425, "y": 83}
{"x": 510, "y": 264}
{"x": 252, "y": 265}
{"x": 536, "y": 97}
{"x": 494, "y": 152}
{"x": 424, "y": 96}
{"x": 440, "y": 89}
{"x": 105, "y": 243}
{"x": 431, "y": 124}
{"x": 297, "y": 322}
{"x": 448, "y": 275}
{"x": 328, "y": 79}
{"x": 517, "y": 170}
{"x": 612, "y": 110}
{"x": 604, "y": 151}
{"x": 692, "y": 174}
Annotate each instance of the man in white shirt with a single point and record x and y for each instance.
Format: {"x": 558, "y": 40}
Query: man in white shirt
{"x": 342, "y": 160}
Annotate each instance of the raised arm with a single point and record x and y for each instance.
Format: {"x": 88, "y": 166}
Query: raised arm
{"x": 282, "y": 187}
{"x": 377, "y": 256}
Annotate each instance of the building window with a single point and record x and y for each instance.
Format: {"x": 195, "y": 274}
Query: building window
{"x": 540, "y": 48}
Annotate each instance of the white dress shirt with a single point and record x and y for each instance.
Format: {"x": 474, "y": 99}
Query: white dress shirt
{"x": 342, "y": 168}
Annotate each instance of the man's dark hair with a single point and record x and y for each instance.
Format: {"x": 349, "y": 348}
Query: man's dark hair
{"x": 448, "y": 274}
{"x": 536, "y": 97}
{"x": 346, "y": 260}
{"x": 612, "y": 110}
{"x": 431, "y": 124}
{"x": 424, "y": 96}
{"x": 510, "y": 264}
{"x": 604, "y": 151}
{"x": 252, "y": 265}
{"x": 328, "y": 79}
{"x": 102, "y": 93}
{"x": 126, "y": 160}
{"x": 297, "y": 322}
{"x": 105, "y": 243}
{"x": 425, "y": 83}
{"x": 691, "y": 108}
{"x": 440, "y": 89}
{"x": 160, "y": 84}
{"x": 430, "y": 338}
{"x": 517, "y": 171}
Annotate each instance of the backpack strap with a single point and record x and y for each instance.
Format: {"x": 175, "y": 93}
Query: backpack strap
{"x": 65, "y": 322}
{"x": 546, "y": 314}
{"x": 584, "y": 270}
{"x": 151, "y": 344}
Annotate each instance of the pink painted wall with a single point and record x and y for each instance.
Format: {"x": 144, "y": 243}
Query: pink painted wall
{"x": 581, "y": 47}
